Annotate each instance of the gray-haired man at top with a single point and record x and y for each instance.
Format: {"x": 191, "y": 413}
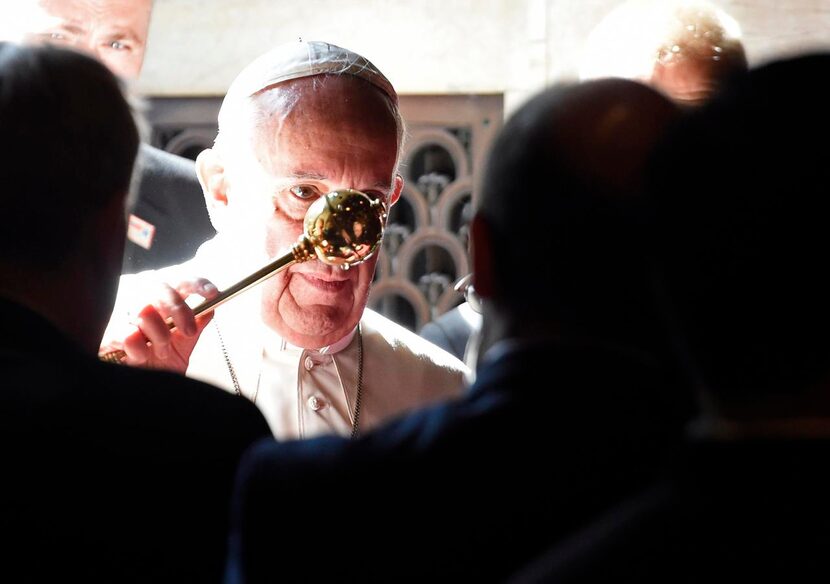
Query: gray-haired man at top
{"x": 302, "y": 120}
{"x": 168, "y": 220}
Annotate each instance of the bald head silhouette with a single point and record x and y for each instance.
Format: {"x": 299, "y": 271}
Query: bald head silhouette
{"x": 560, "y": 225}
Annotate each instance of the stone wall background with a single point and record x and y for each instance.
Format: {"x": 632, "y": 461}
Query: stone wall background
{"x": 509, "y": 47}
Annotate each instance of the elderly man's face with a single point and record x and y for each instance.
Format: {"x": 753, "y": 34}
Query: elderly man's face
{"x": 339, "y": 134}
{"x": 114, "y": 31}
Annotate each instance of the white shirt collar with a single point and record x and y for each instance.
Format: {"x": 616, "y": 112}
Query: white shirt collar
{"x": 273, "y": 341}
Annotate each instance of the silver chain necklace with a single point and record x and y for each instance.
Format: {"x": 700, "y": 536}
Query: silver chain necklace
{"x": 359, "y": 394}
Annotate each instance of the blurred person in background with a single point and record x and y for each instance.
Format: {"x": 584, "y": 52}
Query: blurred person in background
{"x": 684, "y": 48}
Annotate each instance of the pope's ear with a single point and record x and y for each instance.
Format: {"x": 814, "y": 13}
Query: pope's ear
{"x": 396, "y": 190}
{"x": 211, "y": 174}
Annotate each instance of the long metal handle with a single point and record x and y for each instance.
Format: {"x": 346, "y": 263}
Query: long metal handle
{"x": 299, "y": 253}
{"x": 260, "y": 275}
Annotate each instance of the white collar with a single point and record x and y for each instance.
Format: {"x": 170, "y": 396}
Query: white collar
{"x": 273, "y": 341}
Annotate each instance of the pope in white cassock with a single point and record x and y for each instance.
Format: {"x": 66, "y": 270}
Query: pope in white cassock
{"x": 305, "y": 119}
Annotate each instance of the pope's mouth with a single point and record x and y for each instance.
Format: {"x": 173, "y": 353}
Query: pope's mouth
{"x": 322, "y": 284}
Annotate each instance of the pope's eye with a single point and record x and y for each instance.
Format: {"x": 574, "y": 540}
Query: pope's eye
{"x": 303, "y": 191}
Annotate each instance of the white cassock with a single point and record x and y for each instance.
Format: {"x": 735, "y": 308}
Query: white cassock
{"x": 302, "y": 392}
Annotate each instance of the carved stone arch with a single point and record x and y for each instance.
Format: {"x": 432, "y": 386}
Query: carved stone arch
{"x": 383, "y": 268}
{"x": 415, "y": 198}
{"x": 421, "y": 139}
{"x": 397, "y": 228}
{"x": 398, "y": 287}
{"x": 450, "y": 199}
{"x": 431, "y": 236}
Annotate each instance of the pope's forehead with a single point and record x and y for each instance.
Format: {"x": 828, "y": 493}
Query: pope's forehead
{"x": 314, "y": 140}
{"x": 346, "y": 104}
{"x": 319, "y": 122}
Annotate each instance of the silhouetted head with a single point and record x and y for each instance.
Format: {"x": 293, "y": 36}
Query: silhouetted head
{"x": 743, "y": 198}
{"x": 558, "y": 239}
{"x": 68, "y": 142}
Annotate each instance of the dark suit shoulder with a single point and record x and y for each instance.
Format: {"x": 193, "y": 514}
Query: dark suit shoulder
{"x": 187, "y": 401}
{"x": 134, "y": 464}
{"x": 162, "y": 175}
{"x": 450, "y": 331}
{"x": 570, "y": 428}
{"x": 149, "y": 413}
{"x": 155, "y": 161}
{"x": 169, "y": 199}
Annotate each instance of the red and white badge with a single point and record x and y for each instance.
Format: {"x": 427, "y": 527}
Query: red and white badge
{"x": 140, "y": 232}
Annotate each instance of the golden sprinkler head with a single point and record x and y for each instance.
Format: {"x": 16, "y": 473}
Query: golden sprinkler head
{"x": 345, "y": 227}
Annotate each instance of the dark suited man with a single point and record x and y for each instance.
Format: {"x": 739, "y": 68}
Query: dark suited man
{"x": 109, "y": 473}
{"x": 745, "y": 246}
{"x": 168, "y": 219}
{"x": 568, "y": 412}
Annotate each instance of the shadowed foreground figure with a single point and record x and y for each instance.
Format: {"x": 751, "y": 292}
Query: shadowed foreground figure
{"x": 744, "y": 260}
{"x": 110, "y": 474}
{"x": 569, "y": 411}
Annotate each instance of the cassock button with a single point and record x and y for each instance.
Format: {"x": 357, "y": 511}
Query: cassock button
{"x": 315, "y": 403}
{"x": 309, "y": 363}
